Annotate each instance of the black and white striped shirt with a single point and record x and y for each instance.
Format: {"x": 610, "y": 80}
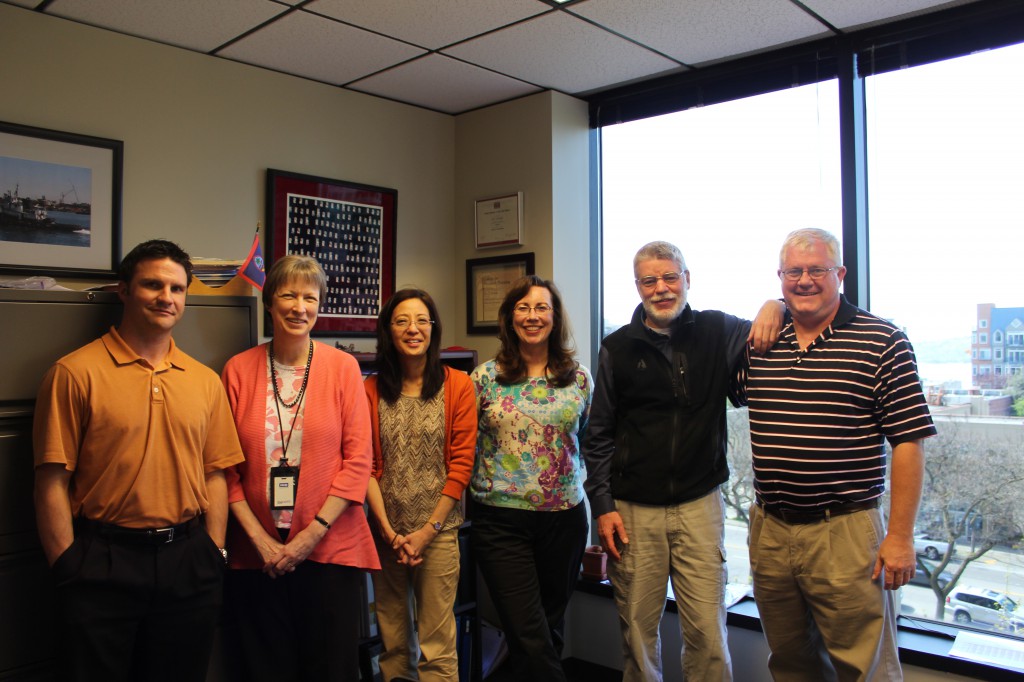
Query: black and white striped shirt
{"x": 819, "y": 416}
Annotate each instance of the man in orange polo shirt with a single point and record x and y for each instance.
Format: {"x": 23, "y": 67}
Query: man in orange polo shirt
{"x": 131, "y": 439}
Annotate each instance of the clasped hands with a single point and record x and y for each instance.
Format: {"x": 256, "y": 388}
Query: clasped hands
{"x": 409, "y": 548}
{"x": 279, "y": 558}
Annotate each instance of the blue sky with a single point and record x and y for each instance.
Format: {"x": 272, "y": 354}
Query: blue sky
{"x": 36, "y": 179}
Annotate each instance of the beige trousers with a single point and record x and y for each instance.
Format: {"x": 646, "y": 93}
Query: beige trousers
{"x": 685, "y": 542}
{"x": 823, "y": 616}
{"x": 414, "y": 612}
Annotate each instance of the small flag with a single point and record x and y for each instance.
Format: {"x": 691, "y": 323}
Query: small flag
{"x": 253, "y": 270}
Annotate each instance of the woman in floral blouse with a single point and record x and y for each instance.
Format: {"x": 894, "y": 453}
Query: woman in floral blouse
{"x": 529, "y": 520}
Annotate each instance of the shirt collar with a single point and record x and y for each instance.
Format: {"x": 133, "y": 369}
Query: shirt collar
{"x": 123, "y": 354}
{"x": 846, "y": 312}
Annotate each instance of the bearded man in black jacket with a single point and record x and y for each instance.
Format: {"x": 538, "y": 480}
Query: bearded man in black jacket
{"x": 655, "y": 452}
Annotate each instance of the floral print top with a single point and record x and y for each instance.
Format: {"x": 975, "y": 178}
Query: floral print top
{"x": 528, "y": 441}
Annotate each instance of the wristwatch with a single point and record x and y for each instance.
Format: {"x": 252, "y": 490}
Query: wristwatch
{"x": 436, "y": 525}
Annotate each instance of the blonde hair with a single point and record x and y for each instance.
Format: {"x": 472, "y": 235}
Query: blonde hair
{"x": 294, "y": 266}
{"x": 806, "y": 238}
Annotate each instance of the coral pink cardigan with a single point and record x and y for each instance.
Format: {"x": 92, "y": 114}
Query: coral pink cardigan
{"x": 336, "y": 455}
{"x": 459, "y": 429}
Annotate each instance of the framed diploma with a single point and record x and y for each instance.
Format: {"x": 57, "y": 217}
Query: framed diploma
{"x": 487, "y": 282}
{"x": 499, "y": 221}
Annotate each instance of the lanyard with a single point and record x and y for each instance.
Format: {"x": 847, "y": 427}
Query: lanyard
{"x": 286, "y": 438}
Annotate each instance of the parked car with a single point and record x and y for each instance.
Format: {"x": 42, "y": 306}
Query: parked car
{"x": 929, "y": 547}
{"x": 981, "y": 605}
{"x": 921, "y": 579}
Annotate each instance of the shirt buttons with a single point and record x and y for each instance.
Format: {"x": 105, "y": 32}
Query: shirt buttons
{"x": 156, "y": 389}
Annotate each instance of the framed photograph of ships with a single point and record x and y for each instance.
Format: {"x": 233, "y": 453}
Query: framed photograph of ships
{"x": 60, "y": 203}
{"x": 348, "y": 227}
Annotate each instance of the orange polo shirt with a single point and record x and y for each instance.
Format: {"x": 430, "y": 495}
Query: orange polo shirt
{"x": 139, "y": 439}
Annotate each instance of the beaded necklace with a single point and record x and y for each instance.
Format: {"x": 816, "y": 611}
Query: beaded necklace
{"x": 286, "y": 438}
{"x": 305, "y": 376}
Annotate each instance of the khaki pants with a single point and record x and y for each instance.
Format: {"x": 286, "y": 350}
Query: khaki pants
{"x": 684, "y": 541}
{"x": 823, "y": 616}
{"x": 414, "y": 612}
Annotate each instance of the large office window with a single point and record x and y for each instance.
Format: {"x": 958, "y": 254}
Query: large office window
{"x": 725, "y": 183}
{"x": 944, "y": 237}
{"x": 945, "y": 172}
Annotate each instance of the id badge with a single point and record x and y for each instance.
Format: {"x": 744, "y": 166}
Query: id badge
{"x": 284, "y": 483}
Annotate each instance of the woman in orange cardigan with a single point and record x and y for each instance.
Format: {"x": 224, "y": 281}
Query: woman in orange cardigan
{"x": 423, "y": 417}
{"x": 300, "y": 544}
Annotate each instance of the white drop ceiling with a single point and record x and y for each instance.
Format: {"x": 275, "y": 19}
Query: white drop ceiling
{"x": 454, "y": 56}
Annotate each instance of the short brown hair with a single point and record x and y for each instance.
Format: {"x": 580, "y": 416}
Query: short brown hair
{"x": 154, "y": 249}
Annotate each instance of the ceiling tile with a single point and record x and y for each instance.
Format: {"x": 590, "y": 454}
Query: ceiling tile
{"x": 847, "y": 15}
{"x": 322, "y": 49}
{"x": 488, "y": 50}
{"x": 562, "y": 52}
{"x": 429, "y": 23}
{"x": 443, "y": 84}
{"x": 193, "y": 24}
{"x": 696, "y": 31}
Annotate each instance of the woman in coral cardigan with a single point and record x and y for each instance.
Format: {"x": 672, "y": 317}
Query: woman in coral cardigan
{"x": 423, "y": 417}
{"x": 299, "y": 544}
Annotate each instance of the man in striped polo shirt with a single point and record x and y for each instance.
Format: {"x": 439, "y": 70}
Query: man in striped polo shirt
{"x": 837, "y": 384}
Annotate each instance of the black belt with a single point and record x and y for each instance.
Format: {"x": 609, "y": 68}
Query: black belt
{"x": 790, "y": 515}
{"x": 139, "y": 536}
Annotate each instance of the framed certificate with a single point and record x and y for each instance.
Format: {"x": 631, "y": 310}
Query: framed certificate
{"x": 487, "y": 282}
{"x": 499, "y": 221}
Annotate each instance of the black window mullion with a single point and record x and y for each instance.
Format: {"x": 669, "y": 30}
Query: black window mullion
{"x": 854, "y": 180}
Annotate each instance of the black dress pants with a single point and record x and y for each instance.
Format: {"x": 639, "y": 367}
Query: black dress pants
{"x": 530, "y": 561}
{"x": 300, "y": 626}
{"x": 138, "y": 611}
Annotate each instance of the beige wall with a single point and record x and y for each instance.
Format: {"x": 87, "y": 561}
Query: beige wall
{"x": 538, "y": 146}
{"x": 571, "y": 234}
{"x": 200, "y": 132}
{"x": 501, "y": 150}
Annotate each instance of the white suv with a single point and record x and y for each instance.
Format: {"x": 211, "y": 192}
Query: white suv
{"x": 980, "y": 605}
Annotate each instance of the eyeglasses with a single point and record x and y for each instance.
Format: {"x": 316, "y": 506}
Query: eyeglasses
{"x": 651, "y": 281}
{"x": 794, "y": 274}
{"x": 404, "y": 322}
{"x": 540, "y": 309}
